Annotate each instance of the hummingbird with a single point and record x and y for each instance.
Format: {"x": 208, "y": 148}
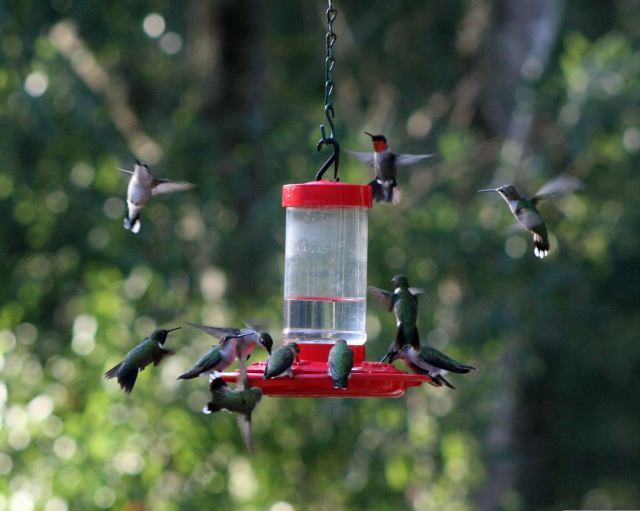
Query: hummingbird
{"x": 148, "y": 351}
{"x": 430, "y": 361}
{"x": 218, "y": 358}
{"x": 142, "y": 186}
{"x": 403, "y": 300}
{"x": 526, "y": 211}
{"x": 340, "y": 363}
{"x": 385, "y": 165}
{"x": 242, "y": 400}
{"x": 248, "y": 338}
{"x": 281, "y": 360}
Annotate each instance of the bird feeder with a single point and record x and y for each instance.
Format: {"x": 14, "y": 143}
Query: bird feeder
{"x": 325, "y": 278}
{"x": 325, "y": 294}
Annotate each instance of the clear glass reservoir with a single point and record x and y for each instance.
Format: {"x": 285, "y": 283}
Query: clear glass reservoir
{"x": 325, "y": 280}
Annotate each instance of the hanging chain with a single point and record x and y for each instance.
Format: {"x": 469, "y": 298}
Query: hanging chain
{"x": 329, "y": 86}
{"x": 331, "y": 62}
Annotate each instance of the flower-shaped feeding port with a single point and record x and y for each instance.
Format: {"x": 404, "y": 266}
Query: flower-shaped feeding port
{"x": 325, "y": 287}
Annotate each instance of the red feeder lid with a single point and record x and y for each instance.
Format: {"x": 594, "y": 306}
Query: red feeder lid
{"x": 325, "y": 194}
{"x": 310, "y": 377}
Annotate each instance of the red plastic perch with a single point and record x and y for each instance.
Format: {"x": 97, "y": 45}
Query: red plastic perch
{"x": 368, "y": 379}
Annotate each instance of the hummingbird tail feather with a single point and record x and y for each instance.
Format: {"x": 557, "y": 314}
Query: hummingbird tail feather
{"x": 463, "y": 369}
{"x": 132, "y": 224}
{"x": 540, "y": 245}
{"x": 415, "y": 341}
{"x": 192, "y": 373}
{"x": 401, "y": 339}
{"x": 341, "y": 382}
{"x": 113, "y": 372}
{"x": 128, "y": 380}
{"x": 442, "y": 380}
{"x": 379, "y": 192}
{"x": 396, "y": 195}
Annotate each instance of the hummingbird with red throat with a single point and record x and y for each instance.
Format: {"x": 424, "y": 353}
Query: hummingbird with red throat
{"x": 385, "y": 165}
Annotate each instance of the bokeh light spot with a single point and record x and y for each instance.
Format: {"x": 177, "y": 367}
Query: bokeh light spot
{"x": 154, "y": 25}
{"x": 171, "y": 43}
{"x": 36, "y": 84}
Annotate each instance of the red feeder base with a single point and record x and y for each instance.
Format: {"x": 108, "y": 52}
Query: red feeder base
{"x": 310, "y": 378}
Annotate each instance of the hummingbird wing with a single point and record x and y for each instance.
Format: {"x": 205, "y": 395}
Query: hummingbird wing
{"x": 217, "y": 331}
{"x": 160, "y": 354}
{"x": 254, "y": 326}
{"x": 244, "y": 425}
{"x": 340, "y": 365}
{"x": 409, "y": 159}
{"x": 530, "y": 218}
{"x": 561, "y": 185}
{"x": 386, "y": 298}
{"x": 278, "y": 362}
{"x": 415, "y": 291}
{"x": 207, "y": 361}
{"x": 242, "y": 382}
{"x": 438, "y": 359}
{"x": 166, "y": 186}
{"x": 366, "y": 158}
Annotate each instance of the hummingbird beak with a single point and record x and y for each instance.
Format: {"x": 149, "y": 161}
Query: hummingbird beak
{"x": 174, "y": 329}
{"x": 367, "y": 133}
{"x": 488, "y": 190}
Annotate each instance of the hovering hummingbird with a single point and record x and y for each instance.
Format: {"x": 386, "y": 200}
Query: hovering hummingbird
{"x": 430, "y": 361}
{"x": 281, "y": 360}
{"x": 526, "y": 212}
{"x": 248, "y": 338}
{"x": 148, "y": 351}
{"x": 385, "y": 165}
{"x": 218, "y": 358}
{"x": 340, "y": 363}
{"x": 242, "y": 400}
{"x": 403, "y": 300}
{"x": 142, "y": 186}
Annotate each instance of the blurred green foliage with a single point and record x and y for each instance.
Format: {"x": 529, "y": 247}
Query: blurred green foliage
{"x": 229, "y": 96}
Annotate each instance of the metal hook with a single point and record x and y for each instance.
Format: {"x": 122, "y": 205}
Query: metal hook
{"x": 333, "y": 159}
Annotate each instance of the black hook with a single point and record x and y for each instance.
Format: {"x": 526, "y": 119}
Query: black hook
{"x": 333, "y": 159}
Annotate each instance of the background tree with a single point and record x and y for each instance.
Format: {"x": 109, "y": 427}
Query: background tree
{"x": 228, "y": 95}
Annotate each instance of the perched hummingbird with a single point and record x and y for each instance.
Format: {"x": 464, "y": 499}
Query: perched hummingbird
{"x": 148, "y": 351}
{"x": 248, "y": 338}
{"x": 403, "y": 300}
{"x": 218, "y": 358}
{"x": 242, "y": 400}
{"x": 340, "y": 363}
{"x": 281, "y": 360}
{"x": 526, "y": 212}
{"x": 385, "y": 165}
{"x": 142, "y": 186}
{"x": 430, "y": 361}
